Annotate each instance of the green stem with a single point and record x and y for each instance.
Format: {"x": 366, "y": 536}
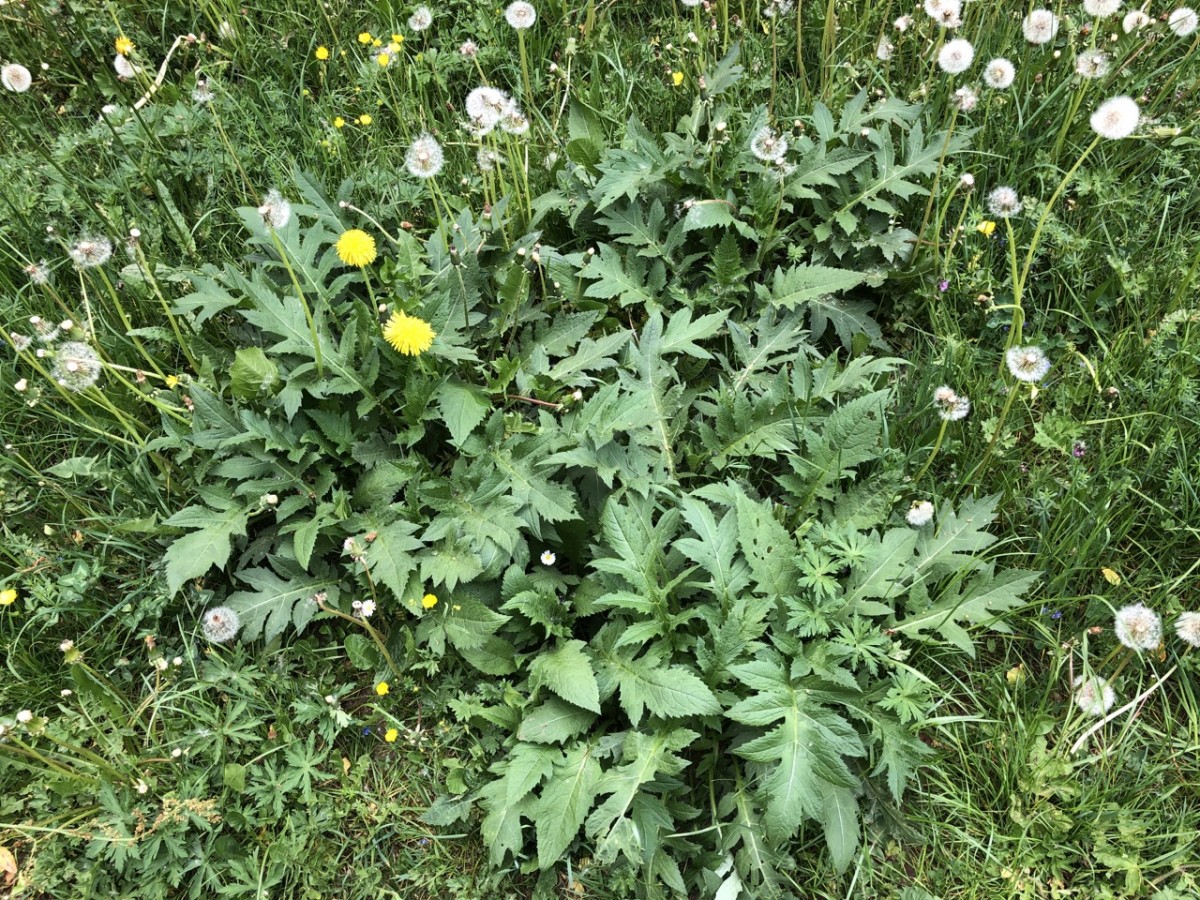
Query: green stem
{"x": 312, "y": 325}
{"x": 937, "y": 445}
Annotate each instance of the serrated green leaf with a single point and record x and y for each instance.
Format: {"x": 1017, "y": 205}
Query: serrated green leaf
{"x": 554, "y": 721}
{"x": 564, "y": 803}
{"x": 567, "y": 671}
{"x": 194, "y": 554}
{"x": 469, "y": 624}
{"x": 274, "y": 603}
{"x": 463, "y": 406}
{"x": 389, "y": 556}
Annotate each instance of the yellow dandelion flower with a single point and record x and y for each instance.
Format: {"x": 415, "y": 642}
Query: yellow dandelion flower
{"x": 397, "y": 38}
{"x": 391, "y": 735}
{"x": 382, "y": 688}
{"x": 8, "y": 597}
{"x": 365, "y": 37}
{"x": 356, "y": 248}
{"x": 383, "y": 59}
{"x": 429, "y": 601}
{"x": 677, "y": 78}
{"x": 172, "y": 381}
{"x": 124, "y": 45}
{"x": 322, "y": 52}
{"x": 365, "y": 119}
{"x": 986, "y": 227}
{"x": 339, "y": 122}
{"x": 412, "y": 337}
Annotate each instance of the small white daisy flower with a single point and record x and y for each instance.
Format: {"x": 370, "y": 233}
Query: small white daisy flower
{"x": 1183, "y": 21}
{"x": 367, "y": 609}
{"x": 1138, "y": 627}
{"x": 956, "y": 56}
{"x": 1116, "y": 118}
{"x": 1027, "y": 363}
{"x": 919, "y": 514}
{"x": 999, "y": 73}
{"x": 1040, "y": 26}
{"x": 1187, "y": 627}
{"x": 548, "y": 558}
{"x": 1094, "y": 695}
{"x": 520, "y": 15}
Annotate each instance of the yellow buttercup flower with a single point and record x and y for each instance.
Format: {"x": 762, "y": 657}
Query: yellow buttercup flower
{"x": 365, "y": 37}
{"x": 124, "y": 45}
{"x": 339, "y": 122}
{"x": 356, "y": 248}
{"x": 391, "y": 735}
{"x": 383, "y": 59}
{"x": 986, "y": 227}
{"x": 322, "y": 52}
{"x": 382, "y": 688}
{"x": 429, "y": 601}
{"x": 397, "y": 39}
{"x": 8, "y": 597}
{"x": 677, "y": 78}
{"x": 172, "y": 381}
{"x": 365, "y": 119}
{"x": 412, "y": 337}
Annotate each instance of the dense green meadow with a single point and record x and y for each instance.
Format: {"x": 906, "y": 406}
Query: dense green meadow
{"x": 733, "y": 449}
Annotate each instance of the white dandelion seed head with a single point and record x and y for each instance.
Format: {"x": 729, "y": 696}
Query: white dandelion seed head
{"x": 1040, "y": 26}
{"x": 485, "y": 159}
{"x": 46, "y": 332}
{"x": 548, "y": 558}
{"x": 275, "y": 210}
{"x": 1135, "y": 20}
{"x": 967, "y": 181}
{"x": 421, "y": 18}
{"x": 203, "y": 93}
{"x": 1027, "y": 363}
{"x": 520, "y": 15}
{"x": 514, "y": 122}
{"x": 424, "y": 157}
{"x": 1004, "y": 202}
{"x": 1091, "y": 64}
{"x": 90, "y": 251}
{"x": 1101, "y": 9}
{"x": 960, "y": 409}
{"x": 123, "y": 67}
{"x": 1116, "y": 118}
{"x": 919, "y": 514}
{"x": 884, "y": 49}
{"x": 1094, "y": 695}
{"x": 944, "y": 395}
{"x": 777, "y": 8}
{"x": 1187, "y": 627}
{"x": 220, "y": 624}
{"x": 1138, "y": 627}
{"x": 38, "y": 272}
{"x": 966, "y": 99}
{"x": 949, "y": 18}
{"x": 21, "y": 342}
{"x": 690, "y": 3}
{"x": 999, "y": 73}
{"x": 16, "y": 78}
{"x": 768, "y": 146}
{"x": 935, "y": 9}
{"x": 1183, "y": 21}
{"x": 903, "y": 23}
{"x": 956, "y": 56}
{"x": 25, "y": 716}
{"x": 76, "y": 366}
{"x": 486, "y": 106}
{"x": 469, "y": 49}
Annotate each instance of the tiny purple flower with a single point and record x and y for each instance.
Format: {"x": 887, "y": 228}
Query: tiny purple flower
{"x": 1078, "y": 449}
{"x": 943, "y": 286}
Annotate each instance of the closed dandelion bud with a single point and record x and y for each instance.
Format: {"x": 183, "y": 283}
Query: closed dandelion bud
{"x": 221, "y": 624}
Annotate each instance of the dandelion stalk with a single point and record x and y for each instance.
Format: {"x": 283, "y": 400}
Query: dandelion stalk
{"x": 375, "y": 636}
{"x": 112, "y": 293}
{"x": 937, "y": 445}
{"x": 525, "y": 69}
{"x": 933, "y": 193}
